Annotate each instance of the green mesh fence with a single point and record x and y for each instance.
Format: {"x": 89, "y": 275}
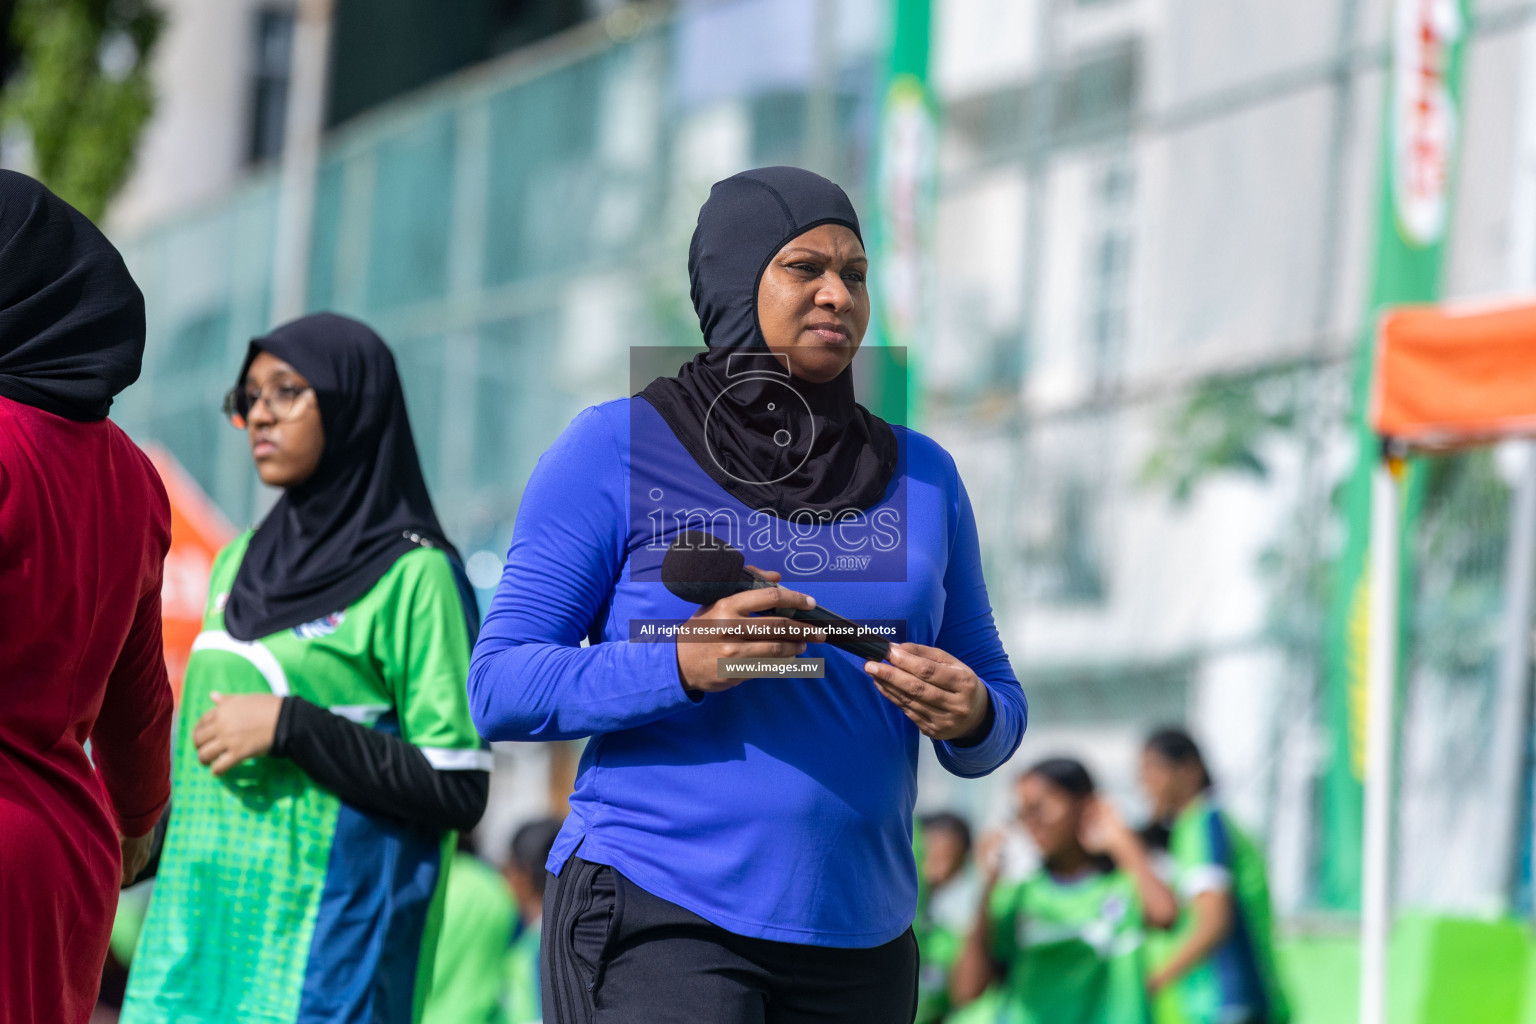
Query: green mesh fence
{"x": 1141, "y": 283}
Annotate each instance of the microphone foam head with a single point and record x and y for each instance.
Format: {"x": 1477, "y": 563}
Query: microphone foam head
{"x": 701, "y": 568}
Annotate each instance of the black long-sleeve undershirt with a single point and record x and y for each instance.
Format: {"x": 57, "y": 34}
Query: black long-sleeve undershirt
{"x": 377, "y": 772}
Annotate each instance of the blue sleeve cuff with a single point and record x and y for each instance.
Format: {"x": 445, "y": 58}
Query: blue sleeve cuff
{"x": 998, "y": 746}
{"x": 677, "y": 664}
{"x": 657, "y": 664}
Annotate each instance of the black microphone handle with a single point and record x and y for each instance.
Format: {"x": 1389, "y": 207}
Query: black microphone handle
{"x": 874, "y": 648}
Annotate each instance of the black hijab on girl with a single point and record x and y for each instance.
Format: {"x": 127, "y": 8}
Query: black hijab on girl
{"x": 1065, "y": 773}
{"x": 328, "y": 540}
{"x": 1071, "y": 777}
{"x": 71, "y": 318}
{"x": 1179, "y": 748}
{"x": 733, "y": 431}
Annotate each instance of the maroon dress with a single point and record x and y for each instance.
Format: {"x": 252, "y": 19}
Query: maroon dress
{"x": 84, "y": 529}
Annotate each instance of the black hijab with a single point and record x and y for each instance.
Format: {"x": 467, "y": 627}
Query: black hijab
{"x": 845, "y": 459}
{"x": 71, "y": 318}
{"x": 328, "y": 540}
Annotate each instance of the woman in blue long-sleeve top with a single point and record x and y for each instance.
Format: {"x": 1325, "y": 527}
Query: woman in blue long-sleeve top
{"x": 741, "y": 850}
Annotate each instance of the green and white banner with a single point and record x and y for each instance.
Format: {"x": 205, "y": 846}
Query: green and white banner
{"x": 904, "y": 188}
{"x": 1419, "y": 145}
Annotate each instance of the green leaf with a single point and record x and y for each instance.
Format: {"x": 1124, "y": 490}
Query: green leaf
{"x": 84, "y": 125}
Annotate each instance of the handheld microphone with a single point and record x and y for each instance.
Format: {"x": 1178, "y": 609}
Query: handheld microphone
{"x": 701, "y": 569}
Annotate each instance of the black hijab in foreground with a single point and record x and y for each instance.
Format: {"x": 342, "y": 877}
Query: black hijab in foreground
{"x": 847, "y": 459}
{"x": 71, "y": 318}
{"x": 330, "y": 539}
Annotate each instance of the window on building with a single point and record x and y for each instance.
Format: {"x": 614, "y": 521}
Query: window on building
{"x": 1107, "y": 295}
{"x": 1066, "y": 525}
{"x": 1097, "y": 92}
{"x": 1094, "y": 97}
{"x": 272, "y": 67}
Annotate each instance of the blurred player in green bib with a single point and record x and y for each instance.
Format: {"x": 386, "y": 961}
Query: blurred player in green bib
{"x": 942, "y": 846}
{"x": 478, "y": 922}
{"x": 525, "y": 874}
{"x": 1064, "y": 945}
{"x": 1217, "y": 965}
{"x": 325, "y": 753}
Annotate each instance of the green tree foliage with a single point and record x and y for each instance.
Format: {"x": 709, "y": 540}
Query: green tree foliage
{"x": 1460, "y": 548}
{"x": 1235, "y": 427}
{"x": 80, "y": 91}
{"x": 1224, "y": 428}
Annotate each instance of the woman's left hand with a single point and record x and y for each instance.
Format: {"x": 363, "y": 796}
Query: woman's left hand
{"x": 240, "y": 726}
{"x": 941, "y": 695}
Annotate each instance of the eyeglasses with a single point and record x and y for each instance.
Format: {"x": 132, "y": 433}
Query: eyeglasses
{"x": 239, "y": 401}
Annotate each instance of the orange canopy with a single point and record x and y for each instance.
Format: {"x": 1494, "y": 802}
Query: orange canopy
{"x": 1445, "y": 380}
{"x": 198, "y": 531}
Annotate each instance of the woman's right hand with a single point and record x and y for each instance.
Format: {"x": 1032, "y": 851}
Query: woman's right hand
{"x": 136, "y": 853}
{"x": 1103, "y": 831}
{"x": 698, "y": 661}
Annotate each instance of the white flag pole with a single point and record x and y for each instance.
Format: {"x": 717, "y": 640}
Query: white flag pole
{"x": 1381, "y": 686}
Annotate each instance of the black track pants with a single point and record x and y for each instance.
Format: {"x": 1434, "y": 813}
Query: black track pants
{"x": 615, "y": 954}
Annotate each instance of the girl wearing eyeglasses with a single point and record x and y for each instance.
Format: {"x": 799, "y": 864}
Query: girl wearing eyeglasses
{"x": 325, "y": 753}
